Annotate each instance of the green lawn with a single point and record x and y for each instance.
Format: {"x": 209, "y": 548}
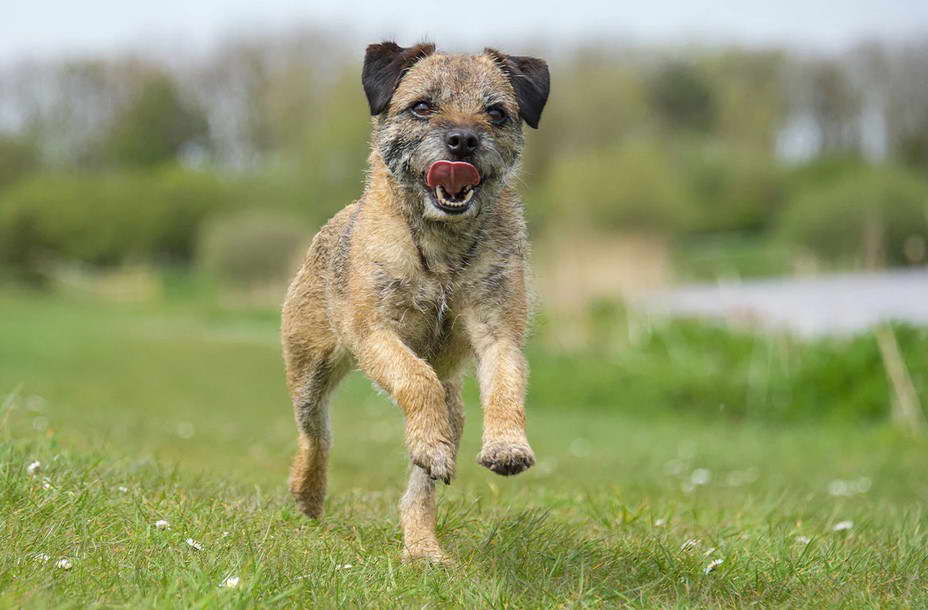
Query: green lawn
{"x": 142, "y": 413}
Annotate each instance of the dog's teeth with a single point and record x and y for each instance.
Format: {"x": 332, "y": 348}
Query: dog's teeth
{"x": 448, "y": 202}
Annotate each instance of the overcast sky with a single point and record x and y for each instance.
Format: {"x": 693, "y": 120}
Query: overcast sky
{"x": 43, "y": 27}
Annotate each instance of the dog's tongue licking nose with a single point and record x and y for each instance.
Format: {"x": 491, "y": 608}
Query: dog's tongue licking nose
{"x": 453, "y": 176}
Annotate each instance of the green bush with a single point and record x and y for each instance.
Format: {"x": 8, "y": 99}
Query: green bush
{"x": 17, "y": 158}
{"x": 632, "y": 187}
{"x": 869, "y": 212}
{"x": 732, "y": 190}
{"x": 689, "y": 367}
{"x": 106, "y": 219}
{"x": 252, "y": 249}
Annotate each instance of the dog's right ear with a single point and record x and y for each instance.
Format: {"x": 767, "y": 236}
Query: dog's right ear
{"x": 384, "y": 66}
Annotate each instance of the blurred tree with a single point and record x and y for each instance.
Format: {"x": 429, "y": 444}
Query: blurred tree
{"x": 263, "y": 93}
{"x": 907, "y": 110}
{"x": 750, "y": 96}
{"x": 154, "y": 127}
{"x": 61, "y": 106}
{"x": 600, "y": 99}
{"x": 835, "y": 108}
{"x": 683, "y": 98}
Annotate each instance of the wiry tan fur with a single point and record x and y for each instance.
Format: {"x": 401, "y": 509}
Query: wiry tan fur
{"x": 409, "y": 297}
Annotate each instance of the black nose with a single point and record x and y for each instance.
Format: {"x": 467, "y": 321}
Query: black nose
{"x": 461, "y": 142}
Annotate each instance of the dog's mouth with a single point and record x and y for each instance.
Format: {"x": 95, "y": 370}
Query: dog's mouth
{"x": 452, "y": 185}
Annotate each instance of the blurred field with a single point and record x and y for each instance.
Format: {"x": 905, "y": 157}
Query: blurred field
{"x": 183, "y": 405}
{"x": 654, "y": 162}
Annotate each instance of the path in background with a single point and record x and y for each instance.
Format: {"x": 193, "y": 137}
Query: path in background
{"x": 833, "y": 304}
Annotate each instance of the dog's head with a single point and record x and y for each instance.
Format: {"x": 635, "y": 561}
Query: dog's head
{"x": 449, "y": 127}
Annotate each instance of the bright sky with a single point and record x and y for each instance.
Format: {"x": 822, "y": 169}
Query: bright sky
{"x": 42, "y": 27}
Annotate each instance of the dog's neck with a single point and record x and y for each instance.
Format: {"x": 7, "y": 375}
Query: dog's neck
{"x": 445, "y": 248}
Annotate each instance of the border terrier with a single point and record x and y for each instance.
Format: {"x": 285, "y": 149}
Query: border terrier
{"x": 423, "y": 273}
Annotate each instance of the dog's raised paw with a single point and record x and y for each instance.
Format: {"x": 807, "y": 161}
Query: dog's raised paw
{"x": 506, "y": 458}
{"x": 437, "y": 461}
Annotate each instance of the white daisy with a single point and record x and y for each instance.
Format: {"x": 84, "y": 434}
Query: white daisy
{"x": 64, "y": 564}
{"x": 41, "y": 557}
{"x": 713, "y": 565}
{"x": 230, "y": 582}
{"x": 660, "y": 522}
{"x": 692, "y": 543}
{"x": 161, "y": 524}
{"x": 842, "y": 526}
{"x": 701, "y": 476}
{"x": 34, "y": 468}
{"x": 803, "y": 539}
{"x": 194, "y": 544}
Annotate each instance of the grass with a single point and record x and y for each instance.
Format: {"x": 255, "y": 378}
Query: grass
{"x": 141, "y": 413}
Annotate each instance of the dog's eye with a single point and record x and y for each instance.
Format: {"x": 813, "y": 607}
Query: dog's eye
{"x": 421, "y": 109}
{"x": 497, "y": 115}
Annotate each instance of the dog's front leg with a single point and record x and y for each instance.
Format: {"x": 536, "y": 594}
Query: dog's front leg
{"x": 501, "y": 371}
{"x": 415, "y": 387}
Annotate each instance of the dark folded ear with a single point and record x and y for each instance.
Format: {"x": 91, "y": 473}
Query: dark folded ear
{"x": 530, "y": 79}
{"x": 384, "y": 66}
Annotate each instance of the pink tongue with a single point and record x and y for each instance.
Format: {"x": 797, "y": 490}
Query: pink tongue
{"x": 452, "y": 175}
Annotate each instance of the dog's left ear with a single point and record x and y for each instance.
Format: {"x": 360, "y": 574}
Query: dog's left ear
{"x": 530, "y": 79}
{"x": 384, "y": 66}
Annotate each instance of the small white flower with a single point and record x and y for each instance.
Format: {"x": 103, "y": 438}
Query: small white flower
{"x": 185, "y": 430}
{"x": 712, "y": 565}
{"x": 840, "y": 487}
{"x": 46, "y": 483}
{"x": 41, "y": 557}
{"x": 842, "y": 526}
{"x": 64, "y": 564}
{"x": 803, "y": 539}
{"x": 194, "y": 544}
{"x": 660, "y": 522}
{"x": 700, "y": 476}
{"x": 692, "y": 543}
{"x": 34, "y": 468}
{"x": 230, "y": 582}
{"x": 122, "y": 489}
{"x": 161, "y": 524}
{"x": 709, "y": 552}
{"x": 224, "y": 534}
{"x": 346, "y": 566}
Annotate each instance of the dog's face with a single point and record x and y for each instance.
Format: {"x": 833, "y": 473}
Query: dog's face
{"x": 449, "y": 127}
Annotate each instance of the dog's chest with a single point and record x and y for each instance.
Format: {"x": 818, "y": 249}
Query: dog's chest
{"x": 420, "y": 307}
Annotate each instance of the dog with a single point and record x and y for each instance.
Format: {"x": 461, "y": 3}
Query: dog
{"x": 425, "y": 272}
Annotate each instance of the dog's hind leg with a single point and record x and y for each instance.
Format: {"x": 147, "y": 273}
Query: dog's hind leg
{"x": 310, "y": 388}
{"x": 418, "y": 505}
